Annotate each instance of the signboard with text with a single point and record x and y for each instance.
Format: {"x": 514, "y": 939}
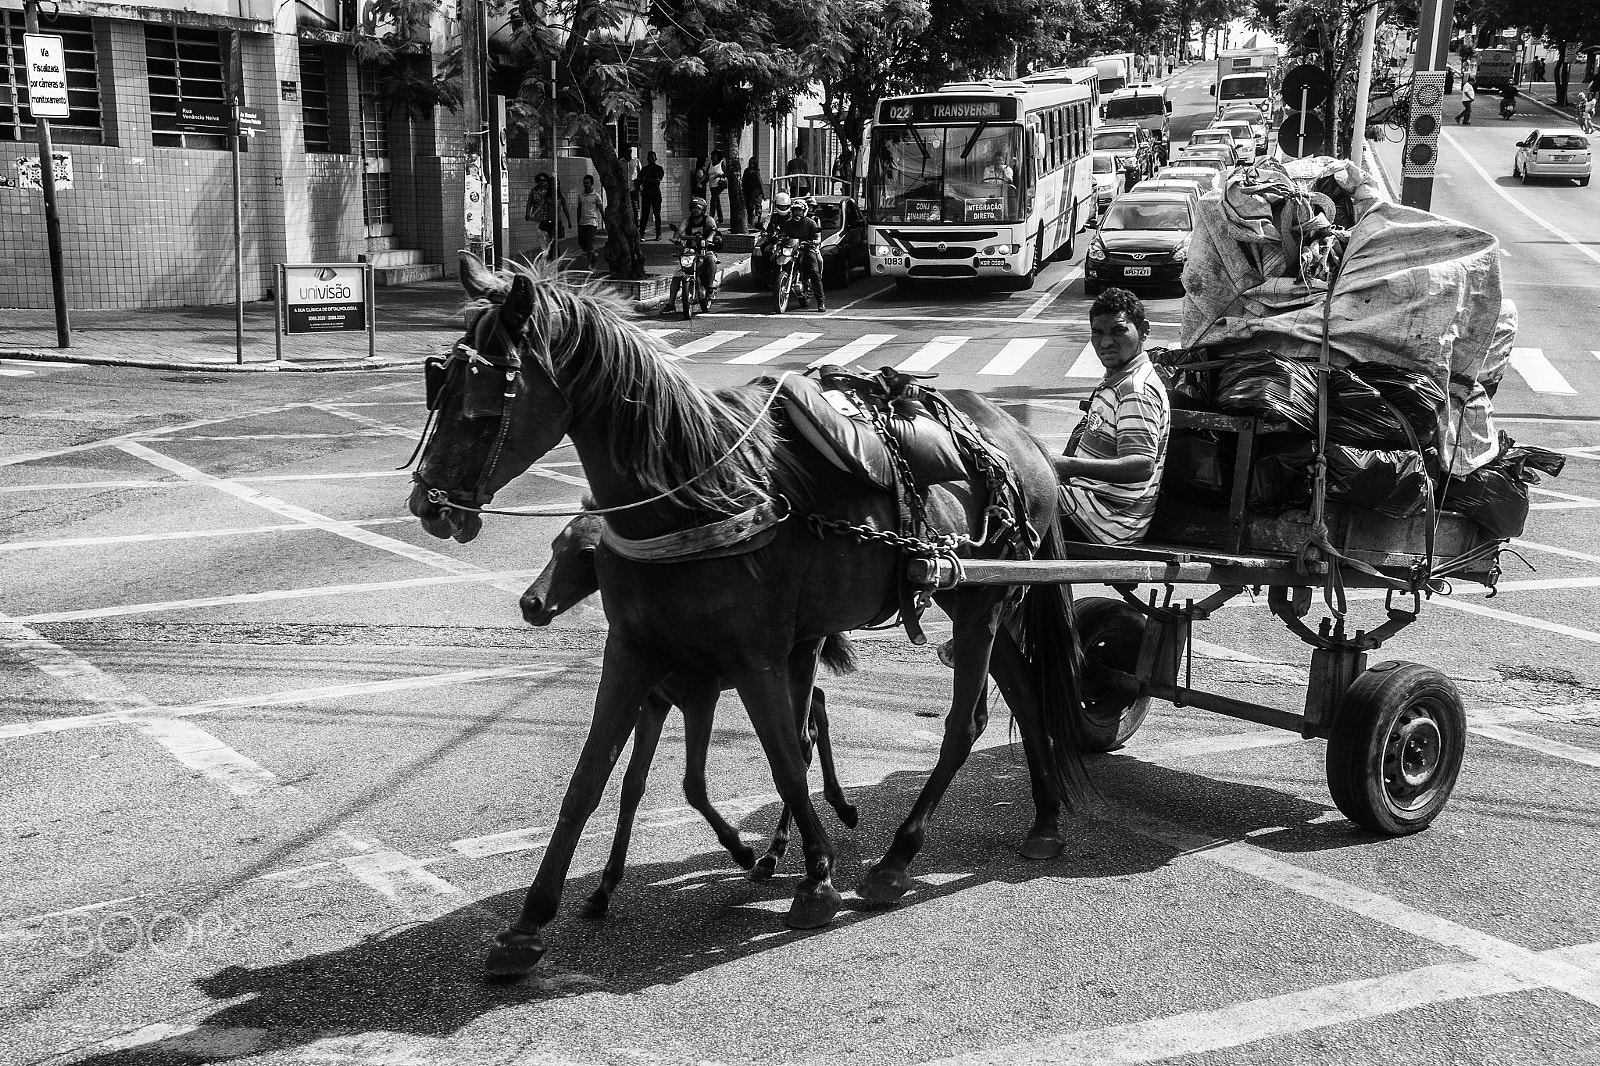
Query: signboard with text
{"x": 203, "y": 116}
{"x": 949, "y": 109}
{"x": 47, "y": 76}
{"x": 30, "y": 179}
{"x": 329, "y": 298}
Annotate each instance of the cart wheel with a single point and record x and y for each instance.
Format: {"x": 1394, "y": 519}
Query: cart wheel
{"x": 1111, "y": 632}
{"x": 1396, "y": 747}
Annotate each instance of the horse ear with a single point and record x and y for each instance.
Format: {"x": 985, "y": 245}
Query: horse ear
{"x": 479, "y": 280}
{"x": 518, "y": 304}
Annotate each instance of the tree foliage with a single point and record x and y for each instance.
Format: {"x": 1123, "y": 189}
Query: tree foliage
{"x": 394, "y": 42}
{"x": 1562, "y": 23}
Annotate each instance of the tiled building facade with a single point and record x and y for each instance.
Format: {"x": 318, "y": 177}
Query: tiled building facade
{"x": 331, "y": 177}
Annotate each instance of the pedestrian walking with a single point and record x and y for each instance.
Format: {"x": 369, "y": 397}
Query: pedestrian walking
{"x": 1449, "y": 81}
{"x": 650, "y": 178}
{"x": 797, "y": 165}
{"x": 699, "y": 180}
{"x": 591, "y": 216}
{"x": 752, "y": 193}
{"x": 1586, "y": 103}
{"x": 1538, "y": 68}
{"x": 631, "y": 168}
{"x": 1467, "y": 93}
{"x": 548, "y": 208}
{"x": 718, "y": 179}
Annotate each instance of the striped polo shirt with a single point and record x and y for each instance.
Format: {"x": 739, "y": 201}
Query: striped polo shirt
{"x": 1128, "y": 415}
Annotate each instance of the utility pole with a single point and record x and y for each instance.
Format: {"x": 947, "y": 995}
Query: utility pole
{"x": 475, "y": 112}
{"x": 47, "y": 181}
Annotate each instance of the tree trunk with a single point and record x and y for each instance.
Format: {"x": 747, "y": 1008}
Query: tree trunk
{"x": 733, "y": 167}
{"x": 624, "y": 256}
{"x": 1561, "y": 73}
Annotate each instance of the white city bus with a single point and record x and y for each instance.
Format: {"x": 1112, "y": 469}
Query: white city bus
{"x": 1089, "y": 76}
{"x": 978, "y": 180}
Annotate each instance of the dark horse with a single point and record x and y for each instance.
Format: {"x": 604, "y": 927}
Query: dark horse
{"x": 567, "y": 580}
{"x": 542, "y": 360}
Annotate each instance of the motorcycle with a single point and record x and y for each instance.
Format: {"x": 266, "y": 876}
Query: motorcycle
{"x": 1507, "y": 108}
{"x": 691, "y": 288}
{"x": 789, "y": 269}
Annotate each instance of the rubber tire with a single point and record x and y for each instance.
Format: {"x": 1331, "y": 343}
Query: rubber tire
{"x": 780, "y": 291}
{"x": 1383, "y": 699}
{"x": 1111, "y": 632}
{"x": 1516, "y": 171}
{"x": 1524, "y": 175}
{"x": 1070, "y": 249}
{"x": 688, "y": 291}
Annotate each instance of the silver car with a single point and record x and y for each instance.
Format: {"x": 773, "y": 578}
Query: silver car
{"x": 1553, "y": 155}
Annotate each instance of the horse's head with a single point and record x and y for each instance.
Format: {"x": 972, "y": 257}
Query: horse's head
{"x": 496, "y": 401}
{"x": 569, "y": 577}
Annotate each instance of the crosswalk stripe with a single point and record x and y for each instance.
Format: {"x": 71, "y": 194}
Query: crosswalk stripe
{"x": 706, "y": 343}
{"x": 659, "y": 334}
{"x": 1014, "y": 355}
{"x": 8, "y": 372}
{"x": 1540, "y": 374}
{"x": 854, "y": 350}
{"x": 1087, "y": 365}
{"x": 773, "y": 349}
{"x": 931, "y": 354}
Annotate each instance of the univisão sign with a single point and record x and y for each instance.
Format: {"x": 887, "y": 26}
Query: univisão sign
{"x": 47, "y": 75}
{"x": 325, "y": 299}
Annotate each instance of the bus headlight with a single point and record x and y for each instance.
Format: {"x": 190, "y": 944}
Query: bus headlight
{"x": 999, "y": 249}
{"x": 881, "y": 250}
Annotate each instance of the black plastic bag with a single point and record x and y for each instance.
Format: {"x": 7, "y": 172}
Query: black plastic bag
{"x": 1496, "y": 495}
{"x": 1261, "y": 384}
{"x": 1187, "y": 389}
{"x": 1280, "y": 476}
{"x": 1367, "y": 402}
{"x": 1199, "y": 465}
{"x": 1394, "y": 483}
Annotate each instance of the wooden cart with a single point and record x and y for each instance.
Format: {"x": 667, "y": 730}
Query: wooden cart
{"x": 1396, "y": 731}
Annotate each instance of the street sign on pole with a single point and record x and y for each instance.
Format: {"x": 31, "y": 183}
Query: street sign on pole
{"x": 47, "y": 76}
{"x": 1302, "y": 132}
{"x": 47, "y": 170}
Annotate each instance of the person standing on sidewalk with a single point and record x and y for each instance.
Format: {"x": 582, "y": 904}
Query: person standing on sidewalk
{"x": 591, "y": 216}
{"x": 717, "y": 183}
{"x": 544, "y": 202}
{"x": 630, "y": 169}
{"x": 1467, "y": 93}
{"x": 650, "y": 177}
{"x": 752, "y": 193}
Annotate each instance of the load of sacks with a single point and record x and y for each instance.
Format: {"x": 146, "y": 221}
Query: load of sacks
{"x": 1417, "y": 334}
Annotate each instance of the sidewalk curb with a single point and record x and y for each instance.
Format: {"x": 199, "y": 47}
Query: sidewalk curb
{"x": 56, "y": 355}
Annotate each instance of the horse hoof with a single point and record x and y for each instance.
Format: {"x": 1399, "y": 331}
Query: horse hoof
{"x": 597, "y": 905}
{"x": 814, "y": 905}
{"x": 883, "y": 884}
{"x": 1041, "y": 847}
{"x": 764, "y": 868}
{"x": 849, "y": 815}
{"x": 514, "y": 954}
{"x": 743, "y": 855}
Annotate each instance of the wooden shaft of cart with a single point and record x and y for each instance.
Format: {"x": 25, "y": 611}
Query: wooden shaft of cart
{"x": 1174, "y": 569}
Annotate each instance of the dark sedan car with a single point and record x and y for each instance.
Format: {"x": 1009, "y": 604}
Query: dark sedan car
{"x": 1143, "y": 240}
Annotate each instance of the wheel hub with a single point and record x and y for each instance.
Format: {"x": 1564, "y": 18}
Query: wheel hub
{"x": 1412, "y": 756}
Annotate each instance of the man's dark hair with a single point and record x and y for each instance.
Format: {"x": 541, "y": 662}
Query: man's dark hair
{"x": 1111, "y": 301}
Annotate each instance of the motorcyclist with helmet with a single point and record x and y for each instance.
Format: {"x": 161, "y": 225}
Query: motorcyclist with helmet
{"x": 767, "y": 238}
{"x": 801, "y": 224}
{"x": 700, "y": 224}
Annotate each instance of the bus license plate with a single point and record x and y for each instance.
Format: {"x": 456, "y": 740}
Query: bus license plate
{"x": 992, "y": 261}
{"x": 1136, "y": 272}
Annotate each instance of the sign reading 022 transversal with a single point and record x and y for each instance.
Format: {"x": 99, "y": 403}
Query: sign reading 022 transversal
{"x": 47, "y": 75}
{"x": 325, "y": 299}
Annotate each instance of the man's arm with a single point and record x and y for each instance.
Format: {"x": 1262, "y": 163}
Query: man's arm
{"x": 1123, "y": 470}
{"x": 1138, "y": 418}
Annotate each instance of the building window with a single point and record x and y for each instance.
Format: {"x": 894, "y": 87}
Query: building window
{"x": 314, "y": 97}
{"x": 82, "y": 126}
{"x": 188, "y": 72}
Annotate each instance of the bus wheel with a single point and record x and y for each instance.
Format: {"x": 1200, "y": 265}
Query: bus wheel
{"x": 1070, "y": 249}
{"x": 1038, "y": 255}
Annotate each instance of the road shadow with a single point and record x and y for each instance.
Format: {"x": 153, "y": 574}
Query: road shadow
{"x": 672, "y": 920}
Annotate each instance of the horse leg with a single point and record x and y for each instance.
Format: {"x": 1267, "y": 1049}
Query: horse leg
{"x": 699, "y": 710}
{"x": 625, "y": 681}
{"x": 1010, "y": 672}
{"x": 770, "y": 698}
{"x": 767, "y": 865}
{"x": 646, "y": 735}
{"x": 823, "y": 740}
{"x": 888, "y": 879}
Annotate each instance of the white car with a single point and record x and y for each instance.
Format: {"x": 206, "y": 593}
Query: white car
{"x": 1245, "y": 133}
{"x": 1553, "y": 155}
{"x": 1108, "y": 177}
{"x": 1215, "y": 138}
{"x": 1205, "y": 176}
{"x": 1193, "y": 188}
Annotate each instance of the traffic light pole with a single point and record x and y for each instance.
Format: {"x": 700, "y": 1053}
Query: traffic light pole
{"x": 1435, "y": 19}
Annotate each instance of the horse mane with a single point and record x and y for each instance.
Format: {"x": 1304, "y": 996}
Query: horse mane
{"x": 667, "y": 431}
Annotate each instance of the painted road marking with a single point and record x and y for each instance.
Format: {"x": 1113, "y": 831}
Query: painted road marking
{"x": 931, "y": 354}
{"x": 1540, "y": 374}
{"x": 394, "y": 876}
{"x": 1544, "y": 745}
{"x": 859, "y": 299}
{"x": 1038, "y": 306}
{"x": 1014, "y": 355}
{"x": 708, "y": 342}
{"x": 772, "y": 349}
{"x": 126, "y": 609}
{"x": 162, "y": 431}
{"x": 1553, "y": 550}
{"x": 185, "y": 741}
{"x": 1087, "y": 365}
{"x": 854, "y": 350}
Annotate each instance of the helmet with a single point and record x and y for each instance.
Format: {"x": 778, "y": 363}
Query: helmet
{"x": 697, "y": 204}
{"x": 780, "y": 204}
{"x": 801, "y": 206}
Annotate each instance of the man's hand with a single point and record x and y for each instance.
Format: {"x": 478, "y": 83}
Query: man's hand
{"x": 1123, "y": 470}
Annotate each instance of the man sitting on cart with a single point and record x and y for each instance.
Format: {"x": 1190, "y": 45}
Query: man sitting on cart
{"x": 1111, "y": 468}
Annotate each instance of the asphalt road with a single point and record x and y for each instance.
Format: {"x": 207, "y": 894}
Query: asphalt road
{"x": 277, "y": 764}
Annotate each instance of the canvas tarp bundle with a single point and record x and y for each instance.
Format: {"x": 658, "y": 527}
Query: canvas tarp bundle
{"x": 1413, "y": 290}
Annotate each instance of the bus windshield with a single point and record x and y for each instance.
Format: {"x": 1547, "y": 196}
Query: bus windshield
{"x": 1242, "y": 88}
{"x": 962, "y": 174}
{"x": 1134, "y": 107}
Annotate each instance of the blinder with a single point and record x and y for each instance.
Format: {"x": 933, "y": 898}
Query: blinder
{"x": 486, "y": 386}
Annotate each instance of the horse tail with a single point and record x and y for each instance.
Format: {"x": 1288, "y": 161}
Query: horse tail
{"x": 1049, "y": 645}
{"x": 839, "y": 655}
